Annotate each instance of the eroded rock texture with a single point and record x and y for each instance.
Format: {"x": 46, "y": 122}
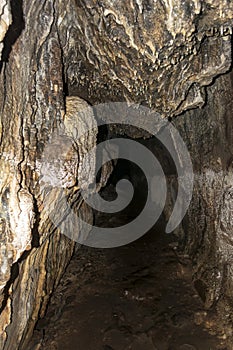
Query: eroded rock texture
{"x": 159, "y": 53}
{"x": 206, "y": 231}
{"x": 34, "y": 253}
{"x": 5, "y": 20}
{"x": 208, "y": 226}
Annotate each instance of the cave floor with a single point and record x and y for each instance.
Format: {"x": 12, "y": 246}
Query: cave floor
{"x": 138, "y": 297}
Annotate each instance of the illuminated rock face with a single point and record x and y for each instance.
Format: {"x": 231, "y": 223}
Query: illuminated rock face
{"x": 5, "y": 20}
{"x": 159, "y": 53}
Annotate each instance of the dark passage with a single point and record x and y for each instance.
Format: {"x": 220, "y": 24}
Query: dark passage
{"x": 138, "y": 296}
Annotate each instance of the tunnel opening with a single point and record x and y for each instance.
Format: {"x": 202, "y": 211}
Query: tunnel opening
{"x": 138, "y": 296}
{"x": 125, "y": 169}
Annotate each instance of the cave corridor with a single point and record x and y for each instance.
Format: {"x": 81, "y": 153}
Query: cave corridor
{"x": 116, "y": 175}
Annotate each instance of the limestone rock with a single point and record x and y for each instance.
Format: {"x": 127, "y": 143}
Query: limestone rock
{"x": 161, "y": 54}
{"x": 5, "y": 20}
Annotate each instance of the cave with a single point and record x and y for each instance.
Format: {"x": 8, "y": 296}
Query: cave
{"x": 116, "y": 161}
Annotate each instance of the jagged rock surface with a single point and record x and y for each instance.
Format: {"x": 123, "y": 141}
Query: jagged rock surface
{"x": 5, "y": 20}
{"x": 208, "y": 226}
{"x": 161, "y": 54}
{"x": 34, "y": 253}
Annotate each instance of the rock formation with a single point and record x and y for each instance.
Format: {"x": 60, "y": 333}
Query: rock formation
{"x": 161, "y": 54}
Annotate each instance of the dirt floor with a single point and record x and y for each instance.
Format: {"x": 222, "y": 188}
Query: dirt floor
{"x": 138, "y": 297}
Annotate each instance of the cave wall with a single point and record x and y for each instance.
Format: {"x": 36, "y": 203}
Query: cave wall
{"x": 5, "y": 21}
{"x": 207, "y": 229}
{"x": 162, "y": 56}
{"x": 34, "y": 253}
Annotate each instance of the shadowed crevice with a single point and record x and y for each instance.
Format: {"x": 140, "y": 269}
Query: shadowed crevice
{"x": 14, "y": 30}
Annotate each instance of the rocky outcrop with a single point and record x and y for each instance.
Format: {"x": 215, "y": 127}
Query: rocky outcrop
{"x": 159, "y": 54}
